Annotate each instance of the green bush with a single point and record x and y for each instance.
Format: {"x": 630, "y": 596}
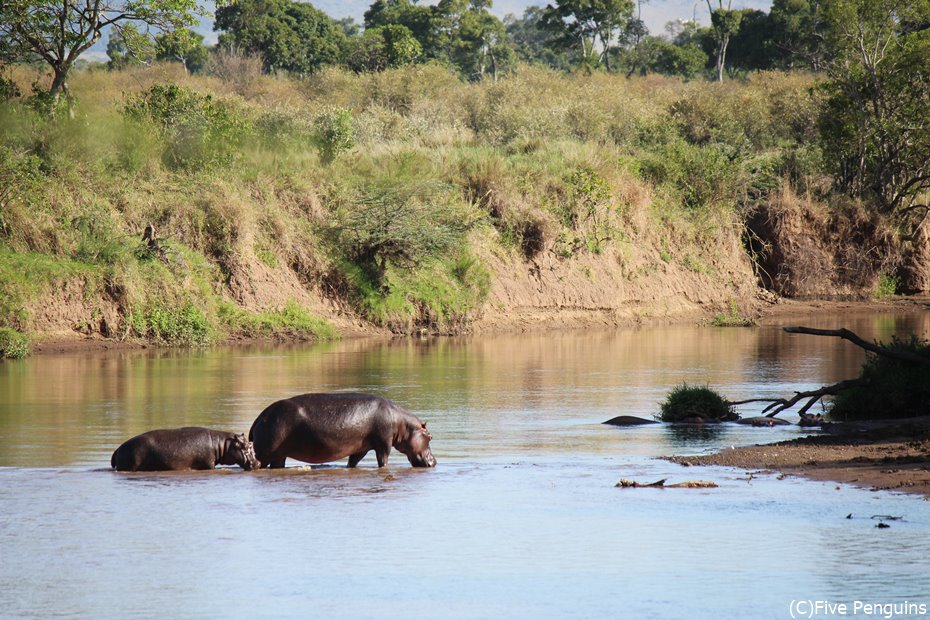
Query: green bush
{"x": 886, "y": 286}
{"x": 186, "y": 325}
{"x": 199, "y": 131}
{"x": 687, "y": 403}
{"x": 334, "y": 133}
{"x": 441, "y": 296}
{"x": 701, "y": 176}
{"x": 732, "y": 318}
{"x": 400, "y": 224}
{"x": 292, "y": 320}
{"x": 891, "y": 388}
{"x": 13, "y": 345}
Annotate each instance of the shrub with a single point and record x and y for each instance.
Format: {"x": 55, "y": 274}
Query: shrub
{"x": 13, "y": 345}
{"x": 19, "y": 182}
{"x": 185, "y": 325}
{"x": 891, "y": 388}
{"x": 292, "y": 320}
{"x": 400, "y": 224}
{"x": 732, "y": 318}
{"x": 686, "y": 403}
{"x": 886, "y": 286}
{"x": 333, "y": 133}
{"x": 199, "y": 131}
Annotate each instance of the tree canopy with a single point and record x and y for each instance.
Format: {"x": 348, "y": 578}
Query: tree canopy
{"x": 57, "y": 32}
{"x": 876, "y": 125}
{"x": 287, "y": 35}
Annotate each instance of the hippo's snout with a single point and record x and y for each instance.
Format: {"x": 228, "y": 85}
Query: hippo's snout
{"x": 424, "y": 459}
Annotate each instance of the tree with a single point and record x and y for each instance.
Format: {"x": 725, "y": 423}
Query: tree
{"x": 752, "y": 47}
{"x": 532, "y": 41}
{"x": 593, "y": 27}
{"x": 57, "y": 32}
{"x": 725, "y": 23}
{"x": 875, "y": 127}
{"x": 798, "y": 33}
{"x": 287, "y": 35}
{"x": 383, "y": 47}
{"x": 418, "y": 19}
{"x": 183, "y": 45}
{"x": 658, "y": 55}
{"x": 471, "y": 38}
{"x": 128, "y": 47}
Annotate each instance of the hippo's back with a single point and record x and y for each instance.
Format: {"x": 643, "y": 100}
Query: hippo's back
{"x": 319, "y": 425}
{"x": 190, "y": 447}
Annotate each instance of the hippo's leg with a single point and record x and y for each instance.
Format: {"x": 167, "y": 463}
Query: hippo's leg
{"x": 382, "y": 455}
{"x": 355, "y": 458}
{"x": 279, "y": 464}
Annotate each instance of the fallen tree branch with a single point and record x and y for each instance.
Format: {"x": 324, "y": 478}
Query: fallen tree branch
{"x": 845, "y": 334}
{"x": 660, "y": 484}
{"x": 781, "y": 404}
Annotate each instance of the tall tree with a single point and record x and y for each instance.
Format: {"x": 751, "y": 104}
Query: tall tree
{"x": 287, "y": 35}
{"x": 752, "y": 47}
{"x": 57, "y": 32}
{"x": 383, "y": 47}
{"x": 415, "y": 17}
{"x": 472, "y": 38}
{"x": 533, "y": 41}
{"x": 593, "y": 27}
{"x": 798, "y": 33}
{"x": 876, "y": 124}
{"x": 129, "y": 47}
{"x": 725, "y": 23}
{"x": 184, "y": 46}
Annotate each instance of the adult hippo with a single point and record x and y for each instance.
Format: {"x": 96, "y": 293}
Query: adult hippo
{"x": 319, "y": 428}
{"x": 191, "y": 447}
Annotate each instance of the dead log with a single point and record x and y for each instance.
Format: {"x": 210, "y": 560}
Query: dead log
{"x": 845, "y": 334}
{"x": 660, "y": 484}
{"x": 778, "y": 405}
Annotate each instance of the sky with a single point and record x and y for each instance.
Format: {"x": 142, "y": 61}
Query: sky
{"x": 656, "y": 13}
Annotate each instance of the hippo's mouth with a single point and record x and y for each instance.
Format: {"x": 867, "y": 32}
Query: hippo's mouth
{"x": 423, "y": 460}
{"x": 250, "y": 461}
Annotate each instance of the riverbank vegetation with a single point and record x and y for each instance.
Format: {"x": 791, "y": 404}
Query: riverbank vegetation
{"x": 386, "y": 174}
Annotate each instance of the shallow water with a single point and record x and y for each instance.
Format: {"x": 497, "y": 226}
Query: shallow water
{"x": 520, "y": 518}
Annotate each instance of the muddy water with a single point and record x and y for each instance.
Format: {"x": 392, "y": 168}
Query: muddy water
{"x": 520, "y": 518}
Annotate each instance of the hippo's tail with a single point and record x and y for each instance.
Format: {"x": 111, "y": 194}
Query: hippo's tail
{"x": 113, "y": 459}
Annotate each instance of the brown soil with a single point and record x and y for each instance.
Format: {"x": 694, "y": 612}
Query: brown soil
{"x": 895, "y": 459}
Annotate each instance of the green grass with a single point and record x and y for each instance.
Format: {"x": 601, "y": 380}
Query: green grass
{"x": 290, "y": 321}
{"x": 26, "y": 276}
{"x": 186, "y": 325}
{"x": 887, "y": 286}
{"x": 732, "y": 318}
{"x": 13, "y": 345}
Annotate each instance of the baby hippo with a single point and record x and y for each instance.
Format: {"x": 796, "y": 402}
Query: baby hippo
{"x": 191, "y": 447}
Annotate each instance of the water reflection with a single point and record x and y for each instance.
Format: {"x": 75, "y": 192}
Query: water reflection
{"x": 515, "y": 392}
{"x": 692, "y": 435}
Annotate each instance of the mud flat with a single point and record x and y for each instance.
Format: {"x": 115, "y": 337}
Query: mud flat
{"x": 892, "y": 457}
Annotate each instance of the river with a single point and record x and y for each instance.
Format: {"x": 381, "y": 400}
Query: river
{"x": 520, "y": 518}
